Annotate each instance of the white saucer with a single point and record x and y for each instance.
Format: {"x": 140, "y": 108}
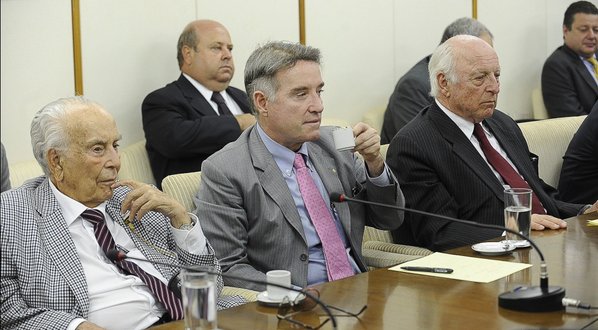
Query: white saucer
{"x": 520, "y": 244}
{"x": 263, "y": 298}
{"x": 493, "y": 248}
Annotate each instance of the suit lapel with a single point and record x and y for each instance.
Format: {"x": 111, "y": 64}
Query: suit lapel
{"x": 463, "y": 148}
{"x": 60, "y": 246}
{"x": 197, "y": 101}
{"x": 272, "y": 181}
{"x": 582, "y": 70}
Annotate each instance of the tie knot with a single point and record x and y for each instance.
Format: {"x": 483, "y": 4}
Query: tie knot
{"x": 478, "y": 131}
{"x": 593, "y": 61}
{"x": 216, "y": 97}
{"x": 299, "y": 162}
{"x": 92, "y": 215}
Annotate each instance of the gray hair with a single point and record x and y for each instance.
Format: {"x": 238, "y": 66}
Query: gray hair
{"x": 465, "y": 25}
{"x": 267, "y": 60}
{"x": 187, "y": 38}
{"x": 48, "y": 127}
{"x": 442, "y": 61}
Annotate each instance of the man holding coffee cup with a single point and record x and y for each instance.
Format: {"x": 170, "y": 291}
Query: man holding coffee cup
{"x": 264, "y": 199}
{"x": 457, "y": 156}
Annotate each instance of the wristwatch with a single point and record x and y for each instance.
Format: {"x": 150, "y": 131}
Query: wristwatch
{"x": 187, "y": 226}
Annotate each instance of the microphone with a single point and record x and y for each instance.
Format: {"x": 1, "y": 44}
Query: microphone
{"x": 117, "y": 255}
{"x": 543, "y": 298}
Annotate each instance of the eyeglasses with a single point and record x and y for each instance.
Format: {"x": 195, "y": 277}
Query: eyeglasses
{"x": 304, "y": 302}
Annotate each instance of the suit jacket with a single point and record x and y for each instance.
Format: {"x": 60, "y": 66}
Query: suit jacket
{"x": 440, "y": 171}
{"x": 248, "y": 212}
{"x": 567, "y": 86}
{"x": 43, "y": 283}
{"x": 411, "y": 95}
{"x": 579, "y": 175}
{"x": 182, "y": 129}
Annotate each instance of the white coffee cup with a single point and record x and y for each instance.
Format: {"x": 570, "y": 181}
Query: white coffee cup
{"x": 343, "y": 138}
{"x": 282, "y": 277}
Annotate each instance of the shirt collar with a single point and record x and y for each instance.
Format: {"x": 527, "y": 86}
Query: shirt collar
{"x": 72, "y": 209}
{"x": 464, "y": 125}
{"x": 207, "y": 94}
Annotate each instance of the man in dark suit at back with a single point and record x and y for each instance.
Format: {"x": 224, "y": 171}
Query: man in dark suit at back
{"x": 457, "y": 156}
{"x": 570, "y": 74}
{"x": 412, "y": 92}
{"x": 191, "y": 118}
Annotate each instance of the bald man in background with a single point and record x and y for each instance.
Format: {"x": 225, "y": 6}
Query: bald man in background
{"x": 191, "y": 118}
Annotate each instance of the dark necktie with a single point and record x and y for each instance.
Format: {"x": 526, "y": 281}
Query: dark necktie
{"x": 337, "y": 262}
{"x": 172, "y": 304}
{"x": 506, "y": 171}
{"x": 222, "y": 108}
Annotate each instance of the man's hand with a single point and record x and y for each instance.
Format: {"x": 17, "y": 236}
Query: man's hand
{"x": 367, "y": 143}
{"x": 88, "y": 326}
{"x": 245, "y": 120}
{"x": 144, "y": 198}
{"x": 592, "y": 208}
{"x": 543, "y": 221}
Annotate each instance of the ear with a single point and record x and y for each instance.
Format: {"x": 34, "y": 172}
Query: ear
{"x": 443, "y": 84}
{"x": 55, "y": 164}
{"x": 188, "y": 53}
{"x": 261, "y": 103}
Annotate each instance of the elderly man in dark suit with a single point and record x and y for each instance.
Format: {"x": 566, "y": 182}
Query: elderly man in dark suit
{"x": 570, "y": 74}
{"x": 458, "y": 155}
{"x": 56, "y": 230}
{"x": 196, "y": 115}
{"x": 265, "y": 197}
{"x": 412, "y": 92}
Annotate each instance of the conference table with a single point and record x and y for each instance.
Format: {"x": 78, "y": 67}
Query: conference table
{"x": 399, "y": 300}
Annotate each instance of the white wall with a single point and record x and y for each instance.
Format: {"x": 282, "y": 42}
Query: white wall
{"x": 129, "y": 49}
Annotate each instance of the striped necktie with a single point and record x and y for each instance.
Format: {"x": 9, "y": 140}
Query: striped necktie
{"x": 594, "y": 63}
{"x": 172, "y": 304}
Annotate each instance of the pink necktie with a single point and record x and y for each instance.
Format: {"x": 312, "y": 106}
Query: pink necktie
{"x": 506, "y": 171}
{"x": 163, "y": 294}
{"x": 337, "y": 262}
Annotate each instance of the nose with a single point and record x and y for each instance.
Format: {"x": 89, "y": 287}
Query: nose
{"x": 227, "y": 53}
{"x": 113, "y": 158}
{"x": 494, "y": 85}
{"x": 317, "y": 105}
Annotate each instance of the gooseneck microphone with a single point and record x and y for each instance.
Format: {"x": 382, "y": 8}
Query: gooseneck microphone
{"x": 117, "y": 255}
{"x": 544, "y": 298}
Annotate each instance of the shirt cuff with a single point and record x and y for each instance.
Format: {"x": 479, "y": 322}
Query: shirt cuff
{"x": 75, "y": 323}
{"x": 384, "y": 179}
{"x": 192, "y": 241}
{"x": 583, "y": 209}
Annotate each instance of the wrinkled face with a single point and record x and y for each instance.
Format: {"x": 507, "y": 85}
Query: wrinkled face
{"x": 87, "y": 170}
{"x": 293, "y": 115}
{"x": 474, "y": 95}
{"x": 212, "y": 58}
{"x": 582, "y": 38}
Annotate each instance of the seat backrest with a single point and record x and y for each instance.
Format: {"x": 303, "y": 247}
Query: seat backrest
{"x": 374, "y": 117}
{"x": 183, "y": 187}
{"x": 549, "y": 139}
{"x": 23, "y": 171}
{"x": 329, "y": 121}
{"x": 135, "y": 165}
{"x": 538, "y": 107}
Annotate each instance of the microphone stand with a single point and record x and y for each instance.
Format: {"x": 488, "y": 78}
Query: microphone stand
{"x": 117, "y": 255}
{"x": 544, "y": 298}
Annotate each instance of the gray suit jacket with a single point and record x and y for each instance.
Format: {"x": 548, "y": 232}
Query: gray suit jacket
{"x": 440, "y": 171}
{"x": 42, "y": 280}
{"x": 249, "y": 215}
{"x": 567, "y": 86}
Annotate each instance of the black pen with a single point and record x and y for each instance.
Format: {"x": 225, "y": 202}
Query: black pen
{"x": 429, "y": 269}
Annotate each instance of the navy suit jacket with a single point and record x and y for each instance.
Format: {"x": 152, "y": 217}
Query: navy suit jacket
{"x": 440, "y": 171}
{"x": 567, "y": 86}
{"x": 182, "y": 129}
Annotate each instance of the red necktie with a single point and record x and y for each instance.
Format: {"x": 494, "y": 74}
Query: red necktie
{"x": 172, "y": 304}
{"x": 222, "y": 108}
{"x": 506, "y": 171}
{"x": 337, "y": 262}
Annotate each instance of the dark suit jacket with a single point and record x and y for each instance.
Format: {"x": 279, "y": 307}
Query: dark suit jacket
{"x": 579, "y": 175}
{"x": 567, "y": 86}
{"x": 182, "y": 129}
{"x": 411, "y": 95}
{"x": 249, "y": 214}
{"x": 440, "y": 171}
{"x": 43, "y": 282}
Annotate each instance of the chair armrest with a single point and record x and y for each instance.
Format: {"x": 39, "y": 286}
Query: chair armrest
{"x": 382, "y": 259}
{"x": 247, "y": 294}
{"x": 396, "y": 248}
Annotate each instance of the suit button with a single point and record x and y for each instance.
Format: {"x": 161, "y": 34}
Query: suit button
{"x": 303, "y": 257}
